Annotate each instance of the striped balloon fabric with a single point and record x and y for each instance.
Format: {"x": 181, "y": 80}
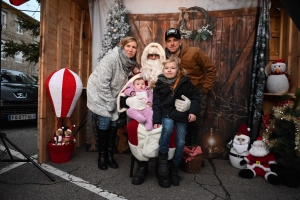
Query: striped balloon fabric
{"x": 64, "y": 87}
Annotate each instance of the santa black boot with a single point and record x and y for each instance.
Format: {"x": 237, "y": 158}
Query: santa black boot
{"x": 111, "y": 147}
{"x": 273, "y": 179}
{"x": 246, "y": 173}
{"x": 175, "y": 179}
{"x": 102, "y": 148}
{"x": 163, "y": 170}
{"x": 140, "y": 174}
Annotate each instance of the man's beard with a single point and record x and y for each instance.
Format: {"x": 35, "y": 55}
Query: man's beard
{"x": 258, "y": 151}
{"x": 151, "y": 69}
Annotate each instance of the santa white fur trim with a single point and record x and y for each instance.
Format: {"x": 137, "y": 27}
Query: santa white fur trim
{"x": 253, "y": 172}
{"x": 153, "y": 48}
{"x": 137, "y": 152}
{"x": 246, "y": 137}
{"x": 121, "y": 94}
{"x": 258, "y": 142}
{"x": 150, "y": 140}
{"x": 268, "y": 173}
{"x": 148, "y": 144}
{"x": 272, "y": 162}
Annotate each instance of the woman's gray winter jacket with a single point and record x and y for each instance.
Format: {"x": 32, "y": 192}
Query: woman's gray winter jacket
{"x": 104, "y": 85}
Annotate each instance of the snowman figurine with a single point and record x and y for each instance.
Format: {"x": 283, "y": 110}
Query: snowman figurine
{"x": 278, "y": 81}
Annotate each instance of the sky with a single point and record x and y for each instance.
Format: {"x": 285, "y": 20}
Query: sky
{"x": 31, "y": 5}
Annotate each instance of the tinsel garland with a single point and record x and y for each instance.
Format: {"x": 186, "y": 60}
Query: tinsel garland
{"x": 279, "y": 112}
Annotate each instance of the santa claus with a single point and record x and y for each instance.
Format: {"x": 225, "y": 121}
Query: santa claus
{"x": 144, "y": 144}
{"x": 239, "y": 146}
{"x": 260, "y": 162}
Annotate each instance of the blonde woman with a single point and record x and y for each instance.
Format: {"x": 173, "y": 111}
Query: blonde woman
{"x": 104, "y": 85}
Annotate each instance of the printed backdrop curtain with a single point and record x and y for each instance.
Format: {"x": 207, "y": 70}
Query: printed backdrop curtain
{"x": 258, "y": 70}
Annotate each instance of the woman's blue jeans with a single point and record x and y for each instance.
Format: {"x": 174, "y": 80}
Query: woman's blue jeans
{"x": 167, "y": 129}
{"x": 104, "y": 123}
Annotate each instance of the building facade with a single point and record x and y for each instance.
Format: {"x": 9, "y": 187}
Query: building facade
{"x": 11, "y": 31}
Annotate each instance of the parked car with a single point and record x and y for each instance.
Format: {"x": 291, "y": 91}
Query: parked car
{"x": 19, "y": 96}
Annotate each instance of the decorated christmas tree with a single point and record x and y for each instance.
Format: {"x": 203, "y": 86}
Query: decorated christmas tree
{"x": 282, "y": 134}
{"x": 116, "y": 27}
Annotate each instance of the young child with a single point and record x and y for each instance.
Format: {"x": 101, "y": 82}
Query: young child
{"x": 172, "y": 84}
{"x": 139, "y": 88}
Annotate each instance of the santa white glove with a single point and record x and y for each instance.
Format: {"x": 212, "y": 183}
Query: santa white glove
{"x": 136, "y": 102}
{"x": 183, "y": 105}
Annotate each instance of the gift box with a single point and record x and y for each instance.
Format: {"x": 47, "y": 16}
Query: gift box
{"x": 192, "y": 159}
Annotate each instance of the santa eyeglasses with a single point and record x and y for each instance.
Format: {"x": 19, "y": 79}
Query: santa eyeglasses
{"x": 153, "y": 55}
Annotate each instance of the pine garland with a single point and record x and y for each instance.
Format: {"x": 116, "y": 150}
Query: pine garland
{"x": 116, "y": 27}
{"x": 202, "y": 33}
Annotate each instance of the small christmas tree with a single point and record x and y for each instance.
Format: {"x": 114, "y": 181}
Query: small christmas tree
{"x": 282, "y": 133}
{"x": 116, "y": 27}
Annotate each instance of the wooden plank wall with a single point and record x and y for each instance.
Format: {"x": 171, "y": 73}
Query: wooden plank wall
{"x": 62, "y": 46}
{"x": 293, "y": 53}
{"x": 288, "y": 48}
{"x": 230, "y": 48}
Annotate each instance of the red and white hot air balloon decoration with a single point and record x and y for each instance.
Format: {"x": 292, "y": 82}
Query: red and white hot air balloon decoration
{"x": 64, "y": 87}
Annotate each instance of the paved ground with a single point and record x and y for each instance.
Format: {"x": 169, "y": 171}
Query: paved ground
{"x": 81, "y": 179}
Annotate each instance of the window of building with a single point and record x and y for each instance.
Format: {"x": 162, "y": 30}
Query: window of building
{"x": 19, "y": 30}
{"x": 3, "y": 19}
{"x": 2, "y": 53}
{"x": 19, "y": 57}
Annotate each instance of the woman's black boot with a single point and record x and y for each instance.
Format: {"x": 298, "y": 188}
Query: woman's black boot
{"x": 111, "y": 148}
{"x": 102, "y": 148}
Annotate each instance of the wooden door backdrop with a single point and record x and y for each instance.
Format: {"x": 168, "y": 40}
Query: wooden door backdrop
{"x": 231, "y": 49}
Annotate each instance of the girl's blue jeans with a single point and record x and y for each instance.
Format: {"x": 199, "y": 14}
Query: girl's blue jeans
{"x": 167, "y": 129}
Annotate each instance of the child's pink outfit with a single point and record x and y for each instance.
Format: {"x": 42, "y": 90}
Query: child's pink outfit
{"x": 142, "y": 116}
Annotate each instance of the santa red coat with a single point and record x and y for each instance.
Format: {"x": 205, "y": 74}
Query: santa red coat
{"x": 260, "y": 162}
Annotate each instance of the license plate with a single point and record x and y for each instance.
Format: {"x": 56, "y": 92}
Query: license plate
{"x": 21, "y": 117}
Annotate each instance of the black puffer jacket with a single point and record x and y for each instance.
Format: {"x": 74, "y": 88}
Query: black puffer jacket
{"x": 164, "y": 100}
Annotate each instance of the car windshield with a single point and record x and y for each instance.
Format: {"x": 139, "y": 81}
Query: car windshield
{"x": 11, "y": 76}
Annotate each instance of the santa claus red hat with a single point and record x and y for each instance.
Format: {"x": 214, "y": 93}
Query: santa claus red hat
{"x": 259, "y": 141}
{"x": 70, "y": 128}
{"x": 243, "y": 131}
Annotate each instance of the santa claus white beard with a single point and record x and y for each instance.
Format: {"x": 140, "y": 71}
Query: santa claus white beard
{"x": 239, "y": 148}
{"x": 151, "y": 69}
{"x": 258, "y": 151}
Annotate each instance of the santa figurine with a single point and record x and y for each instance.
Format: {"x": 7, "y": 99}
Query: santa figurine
{"x": 260, "y": 162}
{"x": 239, "y": 146}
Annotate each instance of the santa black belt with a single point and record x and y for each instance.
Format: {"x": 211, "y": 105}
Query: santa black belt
{"x": 236, "y": 155}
